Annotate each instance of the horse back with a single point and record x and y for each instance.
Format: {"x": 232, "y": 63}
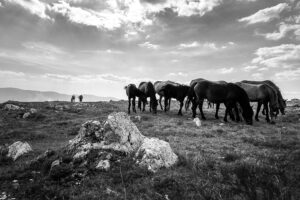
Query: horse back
{"x": 212, "y": 91}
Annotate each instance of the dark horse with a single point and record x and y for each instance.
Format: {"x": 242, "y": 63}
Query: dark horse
{"x": 178, "y": 91}
{"x": 228, "y": 93}
{"x": 281, "y": 101}
{"x": 132, "y": 92}
{"x": 157, "y": 86}
{"x": 192, "y": 97}
{"x": 147, "y": 89}
{"x": 263, "y": 94}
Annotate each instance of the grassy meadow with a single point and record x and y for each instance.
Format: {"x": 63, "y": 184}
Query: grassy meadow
{"x": 216, "y": 161}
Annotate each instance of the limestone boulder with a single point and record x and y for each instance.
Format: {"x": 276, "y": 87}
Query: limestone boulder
{"x": 18, "y": 149}
{"x": 155, "y": 154}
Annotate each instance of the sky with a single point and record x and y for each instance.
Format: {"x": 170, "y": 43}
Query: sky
{"x": 99, "y": 46}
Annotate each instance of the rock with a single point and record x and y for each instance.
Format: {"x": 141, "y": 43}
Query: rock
{"x": 81, "y": 154}
{"x": 17, "y": 149}
{"x": 26, "y": 115}
{"x": 33, "y": 110}
{"x": 221, "y": 124}
{"x": 197, "y": 122}
{"x": 12, "y": 107}
{"x": 155, "y": 154}
{"x": 118, "y": 133}
{"x": 103, "y": 165}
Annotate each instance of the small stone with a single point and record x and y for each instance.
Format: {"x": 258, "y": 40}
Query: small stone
{"x": 197, "y": 122}
{"x": 221, "y": 124}
{"x": 26, "y": 115}
{"x": 33, "y": 110}
{"x": 103, "y": 165}
{"x": 55, "y": 163}
{"x": 17, "y": 149}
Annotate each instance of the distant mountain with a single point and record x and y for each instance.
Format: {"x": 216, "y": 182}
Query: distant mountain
{"x": 16, "y": 94}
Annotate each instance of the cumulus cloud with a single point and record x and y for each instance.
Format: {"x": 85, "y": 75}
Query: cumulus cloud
{"x": 284, "y": 29}
{"x": 35, "y": 7}
{"x": 284, "y": 56}
{"x": 178, "y": 74}
{"x": 266, "y": 15}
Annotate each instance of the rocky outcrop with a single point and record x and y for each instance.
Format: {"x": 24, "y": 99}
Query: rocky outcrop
{"x": 12, "y": 107}
{"x": 119, "y": 134}
{"x": 17, "y": 149}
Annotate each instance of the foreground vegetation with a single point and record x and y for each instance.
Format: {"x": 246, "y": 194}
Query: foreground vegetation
{"x": 216, "y": 160}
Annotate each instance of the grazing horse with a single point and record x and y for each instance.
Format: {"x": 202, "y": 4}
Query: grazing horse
{"x": 192, "y": 96}
{"x": 281, "y": 101}
{"x": 132, "y": 92}
{"x": 148, "y": 90}
{"x": 157, "y": 86}
{"x": 263, "y": 95}
{"x": 179, "y": 92}
{"x": 228, "y": 93}
{"x": 73, "y": 98}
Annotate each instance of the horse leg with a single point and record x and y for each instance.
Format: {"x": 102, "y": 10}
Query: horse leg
{"x": 208, "y": 104}
{"x": 160, "y": 98}
{"x": 166, "y": 104}
{"x": 237, "y": 113}
{"x": 133, "y": 105}
{"x": 129, "y": 105}
{"x": 194, "y": 107}
{"x": 144, "y": 104}
{"x": 226, "y": 111}
{"x": 201, "y": 110}
{"x": 257, "y": 111}
{"x": 267, "y": 111}
{"x": 181, "y": 105}
{"x": 264, "y": 111}
{"x": 217, "y": 110}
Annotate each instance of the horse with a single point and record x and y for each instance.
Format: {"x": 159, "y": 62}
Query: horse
{"x": 192, "y": 97}
{"x": 73, "y": 98}
{"x": 80, "y": 97}
{"x": 148, "y": 90}
{"x": 263, "y": 95}
{"x": 158, "y": 85}
{"x": 178, "y": 91}
{"x": 228, "y": 93}
{"x": 132, "y": 92}
{"x": 281, "y": 101}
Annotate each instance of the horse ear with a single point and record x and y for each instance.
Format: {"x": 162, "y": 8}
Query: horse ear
{"x": 125, "y": 87}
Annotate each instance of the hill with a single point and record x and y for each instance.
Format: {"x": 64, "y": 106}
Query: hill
{"x": 16, "y": 94}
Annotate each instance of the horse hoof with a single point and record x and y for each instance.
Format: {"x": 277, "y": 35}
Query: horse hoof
{"x": 216, "y": 117}
{"x": 272, "y": 122}
{"x": 257, "y": 119}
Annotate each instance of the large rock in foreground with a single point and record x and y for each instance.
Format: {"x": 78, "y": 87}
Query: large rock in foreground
{"x": 17, "y": 149}
{"x": 155, "y": 154}
{"x": 118, "y": 133}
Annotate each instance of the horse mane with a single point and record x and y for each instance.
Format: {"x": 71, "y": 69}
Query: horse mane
{"x": 273, "y": 97}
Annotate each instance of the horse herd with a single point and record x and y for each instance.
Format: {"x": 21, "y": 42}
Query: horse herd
{"x": 235, "y": 96}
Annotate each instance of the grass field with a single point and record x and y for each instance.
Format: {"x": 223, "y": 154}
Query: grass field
{"x": 216, "y": 161}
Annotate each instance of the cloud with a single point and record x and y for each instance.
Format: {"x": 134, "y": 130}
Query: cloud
{"x": 6, "y": 74}
{"x": 43, "y": 48}
{"x": 35, "y": 7}
{"x": 257, "y": 76}
{"x": 225, "y": 70}
{"x": 178, "y": 74}
{"x": 288, "y": 75}
{"x": 148, "y": 45}
{"x": 284, "y": 29}
{"x": 195, "y": 44}
{"x": 266, "y": 15}
{"x": 250, "y": 68}
{"x": 283, "y": 56}
{"x": 189, "y": 45}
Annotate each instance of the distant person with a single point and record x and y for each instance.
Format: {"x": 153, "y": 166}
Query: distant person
{"x": 80, "y": 98}
{"x": 73, "y": 98}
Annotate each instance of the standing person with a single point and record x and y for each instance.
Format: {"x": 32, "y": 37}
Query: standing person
{"x": 80, "y": 98}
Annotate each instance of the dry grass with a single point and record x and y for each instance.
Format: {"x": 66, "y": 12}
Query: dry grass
{"x": 230, "y": 161}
